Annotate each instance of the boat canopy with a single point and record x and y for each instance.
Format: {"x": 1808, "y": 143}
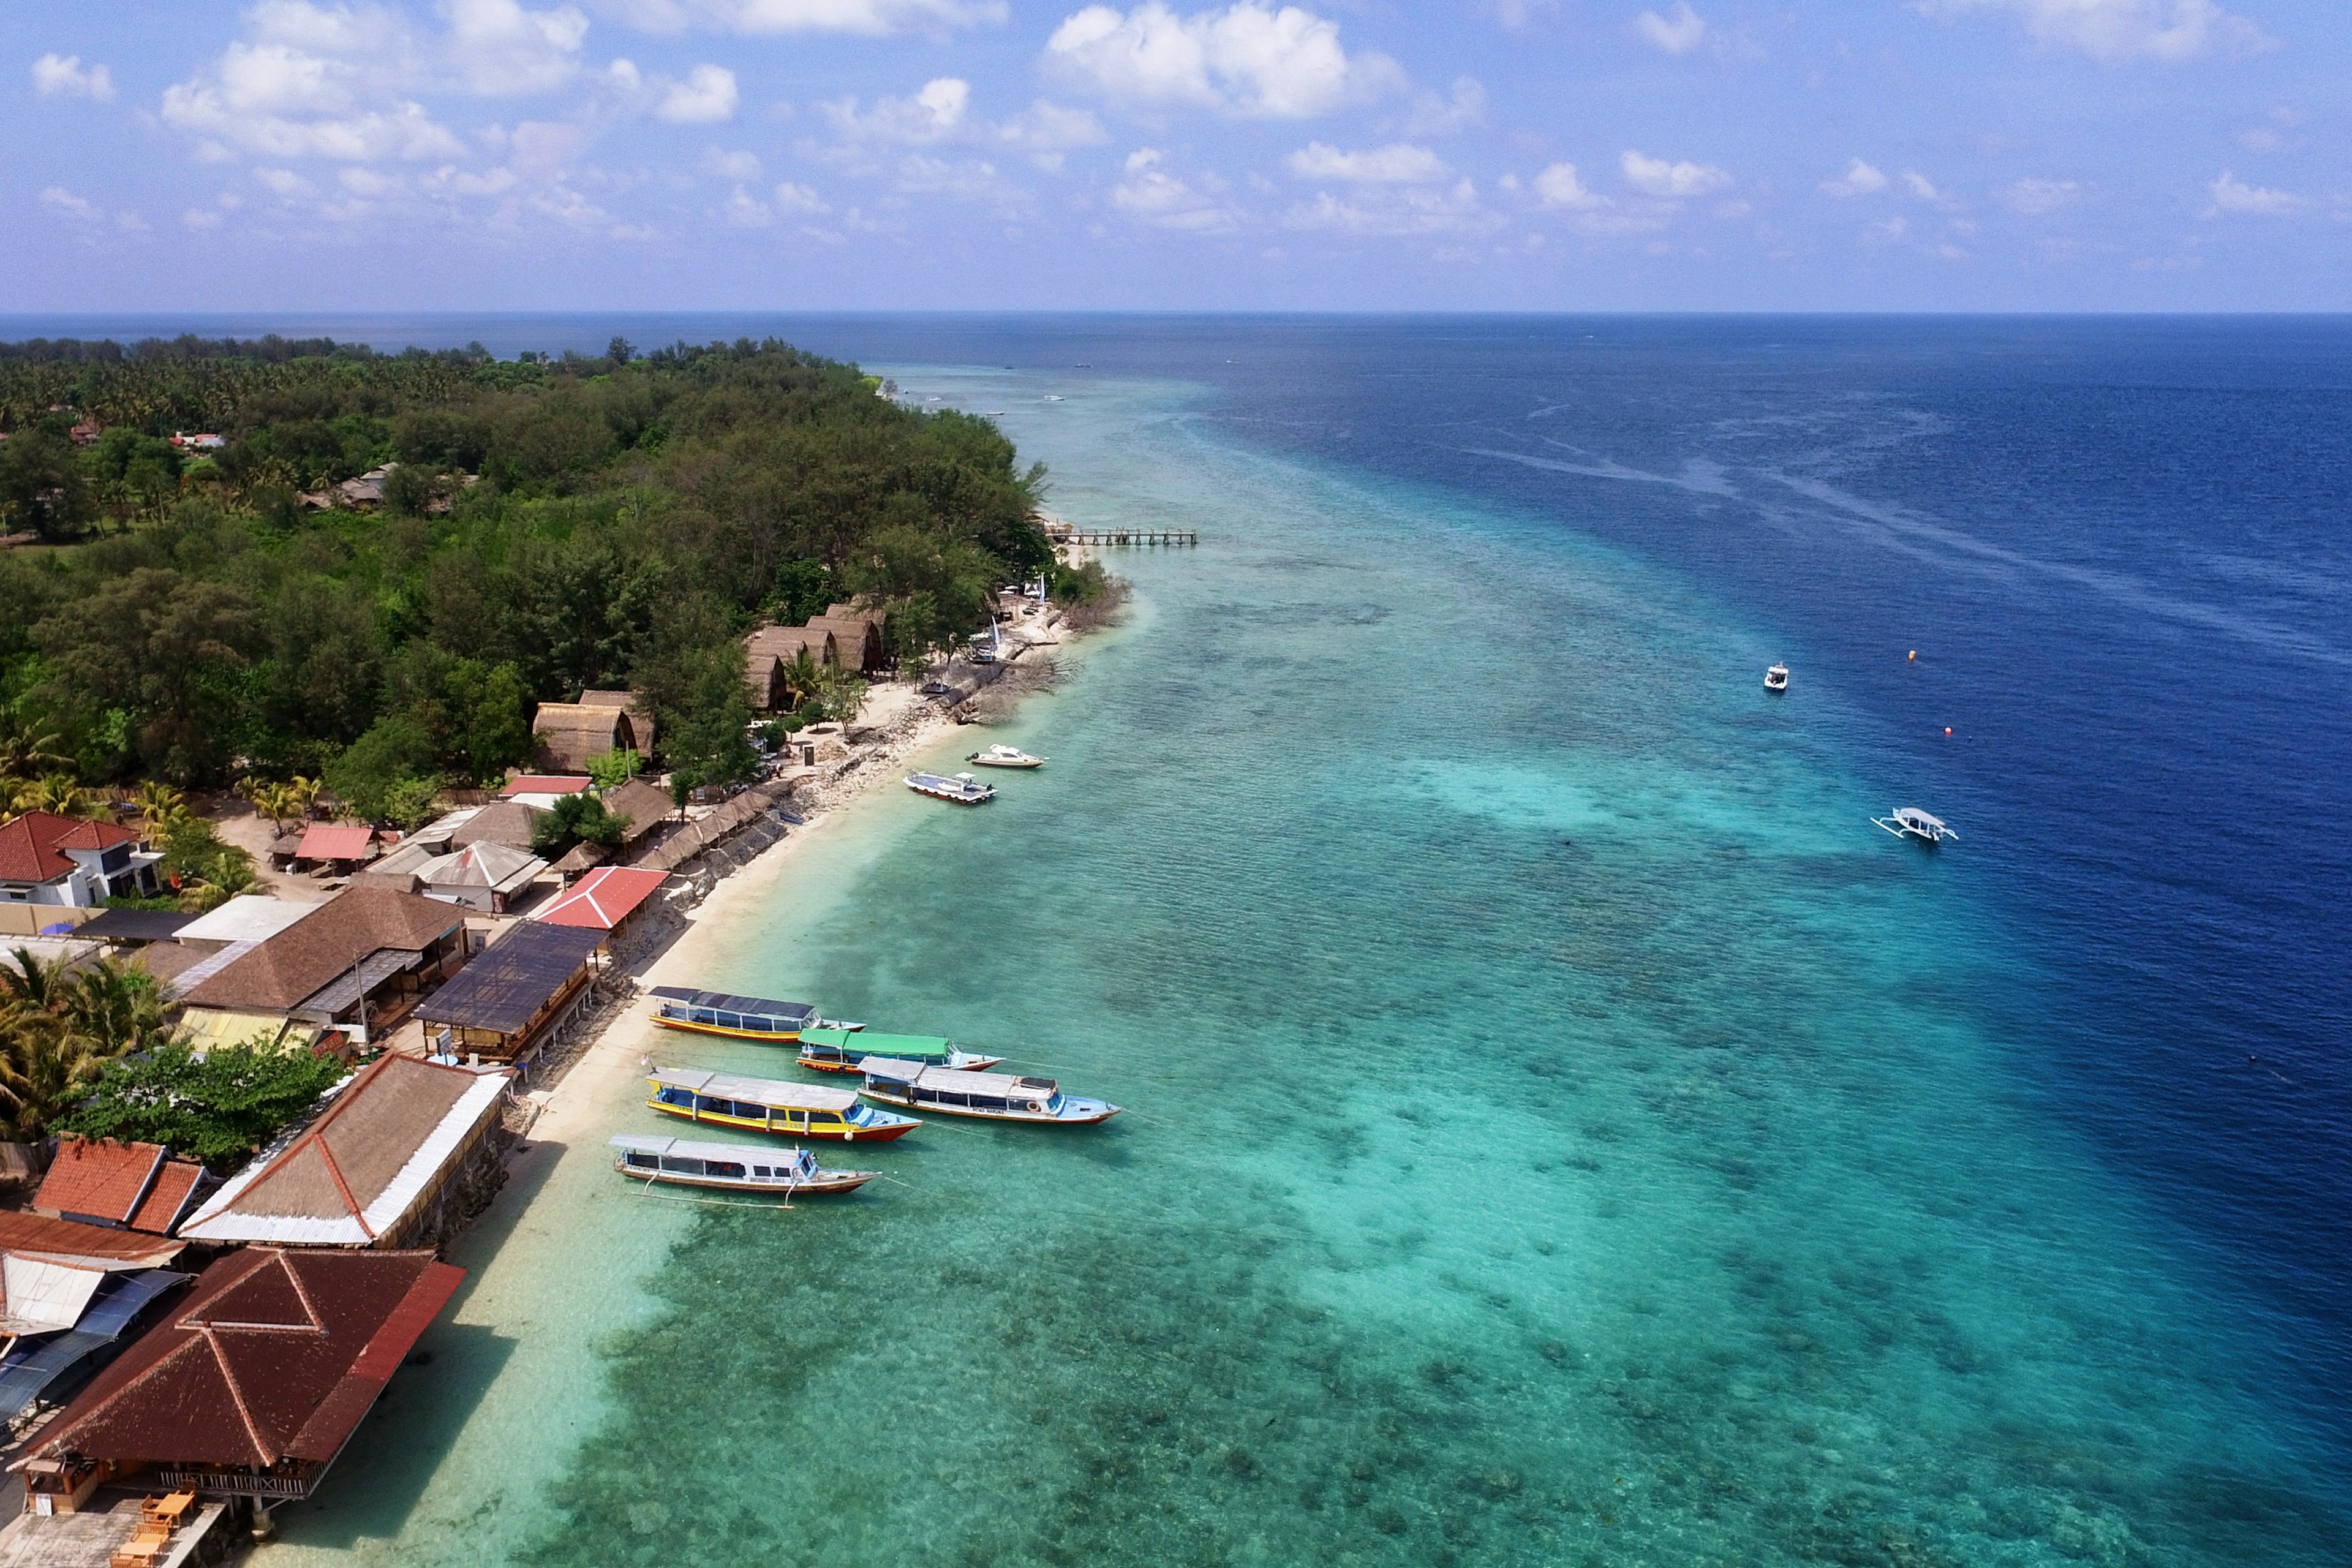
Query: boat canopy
{"x": 955, "y": 1080}
{"x": 751, "y": 1012}
{"x": 878, "y": 1045}
{"x": 1911, "y": 815}
{"x": 757, "y": 1090}
{"x": 737, "y": 1154}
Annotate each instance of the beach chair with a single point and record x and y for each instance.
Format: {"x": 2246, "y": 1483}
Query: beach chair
{"x": 149, "y": 1541}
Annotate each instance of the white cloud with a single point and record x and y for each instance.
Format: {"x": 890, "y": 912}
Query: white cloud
{"x": 1409, "y": 210}
{"x": 1153, "y": 195}
{"x": 502, "y": 50}
{"x": 279, "y": 101}
{"x": 1922, "y": 187}
{"x": 1558, "y": 186}
{"x": 284, "y": 181}
{"x": 967, "y": 179}
{"x": 201, "y": 217}
{"x": 1859, "y": 180}
{"x": 1436, "y": 116}
{"x": 707, "y": 95}
{"x": 65, "y": 200}
{"x": 933, "y": 115}
{"x": 1657, "y": 177}
{"x": 2035, "y": 198}
{"x": 1248, "y": 61}
{"x": 872, "y": 18}
{"x": 792, "y": 198}
{"x": 1048, "y": 132}
{"x": 1678, "y": 32}
{"x": 736, "y": 166}
{"x": 450, "y": 180}
{"x": 1399, "y": 165}
{"x": 2232, "y": 195}
{"x": 745, "y": 210}
{"x": 64, "y": 76}
{"x": 2124, "y": 29}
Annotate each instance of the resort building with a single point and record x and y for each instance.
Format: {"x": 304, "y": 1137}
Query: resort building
{"x": 341, "y": 845}
{"x": 567, "y": 735}
{"x": 640, "y": 711}
{"x": 251, "y": 1385}
{"x": 485, "y": 877}
{"x": 516, "y": 993}
{"x": 356, "y": 962}
{"x": 543, "y": 790}
{"x": 844, "y": 638}
{"x": 121, "y": 1186}
{"x": 508, "y": 822}
{"x": 603, "y": 899}
{"x": 394, "y": 1160}
{"x": 46, "y": 858}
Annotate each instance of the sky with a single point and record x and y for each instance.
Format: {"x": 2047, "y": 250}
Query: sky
{"x": 1043, "y": 155}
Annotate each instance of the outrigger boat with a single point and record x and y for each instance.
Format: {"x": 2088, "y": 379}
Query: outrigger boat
{"x": 999, "y": 1097}
{"x": 1776, "y": 679}
{"x": 1910, "y": 822}
{"x": 763, "y": 1105}
{"x": 840, "y": 1050}
{"x": 739, "y": 1018}
{"x": 729, "y": 1167}
{"x": 963, "y": 789}
{"x": 1005, "y": 757}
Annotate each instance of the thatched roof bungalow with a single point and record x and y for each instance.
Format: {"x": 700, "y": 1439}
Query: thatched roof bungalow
{"x": 567, "y": 734}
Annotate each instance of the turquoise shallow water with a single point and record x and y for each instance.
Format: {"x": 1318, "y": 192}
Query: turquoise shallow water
{"x": 1562, "y": 1129}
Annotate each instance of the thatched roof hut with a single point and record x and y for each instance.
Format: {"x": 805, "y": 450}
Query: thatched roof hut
{"x": 568, "y": 734}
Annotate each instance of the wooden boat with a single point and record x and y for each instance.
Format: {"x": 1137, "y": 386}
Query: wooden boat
{"x": 763, "y": 1105}
{"x": 1910, "y": 822}
{"x": 996, "y": 1096}
{"x": 1005, "y": 757}
{"x": 963, "y": 789}
{"x": 737, "y": 1017}
{"x": 730, "y": 1167}
{"x": 1776, "y": 679}
{"x": 840, "y": 1050}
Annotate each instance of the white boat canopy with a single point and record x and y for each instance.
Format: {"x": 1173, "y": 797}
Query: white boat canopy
{"x": 758, "y": 1090}
{"x": 737, "y": 1154}
{"x": 956, "y": 1080}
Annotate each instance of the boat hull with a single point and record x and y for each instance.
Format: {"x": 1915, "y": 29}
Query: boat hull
{"x": 813, "y": 1133}
{"x": 1098, "y": 1112}
{"x": 824, "y": 1182}
{"x": 952, "y": 799}
{"x": 791, "y": 1038}
{"x": 969, "y": 1064}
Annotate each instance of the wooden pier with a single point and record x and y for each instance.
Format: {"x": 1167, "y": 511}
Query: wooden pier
{"x": 1118, "y": 536}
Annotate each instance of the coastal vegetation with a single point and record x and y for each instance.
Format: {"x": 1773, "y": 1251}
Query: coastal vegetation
{"x": 250, "y": 609}
{"x": 216, "y": 1110}
{"x": 61, "y": 1027}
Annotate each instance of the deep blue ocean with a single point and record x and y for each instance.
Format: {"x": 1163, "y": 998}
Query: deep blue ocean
{"x": 2083, "y": 588}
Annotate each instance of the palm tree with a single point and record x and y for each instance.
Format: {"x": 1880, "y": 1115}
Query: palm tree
{"x": 118, "y": 1008}
{"x": 61, "y": 795}
{"x": 26, "y": 743}
{"x": 225, "y": 876}
{"x": 24, "y": 979}
{"x": 301, "y": 793}
{"x": 800, "y": 677}
{"x": 159, "y": 806}
{"x": 46, "y": 1068}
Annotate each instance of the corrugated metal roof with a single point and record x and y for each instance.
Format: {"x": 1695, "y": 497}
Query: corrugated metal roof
{"x": 336, "y": 841}
{"x": 604, "y": 898}
{"x": 134, "y": 925}
{"x": 506, "y": 986}
{"x": 248, "y": 917}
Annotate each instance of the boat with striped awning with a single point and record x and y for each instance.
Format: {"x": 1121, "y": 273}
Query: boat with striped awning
{"x": 764, "y": 1105}
{"x": 840, "y": 1050}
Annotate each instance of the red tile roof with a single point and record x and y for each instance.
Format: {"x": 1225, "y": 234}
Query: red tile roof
{"x": 546, "y": 784}
{"x": 167, "y": 1200}
{"x": 22, "y": 1233}
{"x": 604, "y": 898}
{"x": 335, "y": 841}
{"x": 98, "y": 1178}
{"x": 31, "y": 846}
{"x": 275, "y": 1354}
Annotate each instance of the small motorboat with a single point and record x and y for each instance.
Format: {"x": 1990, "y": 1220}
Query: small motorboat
{"x": 963, "y": 789}
{"x": 1053, "y": 397}
{"x": 996, "y": 1096}
{"x": 1776, "y": 679}
{"x": 841, "y": 1051}
{"x": 787, "y": 1173}
{"x": 1005, "y": 757}
{"x": 1910, "y": 822}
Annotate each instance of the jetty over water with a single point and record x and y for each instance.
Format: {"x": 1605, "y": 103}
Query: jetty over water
{"x": 1118, "y": 536}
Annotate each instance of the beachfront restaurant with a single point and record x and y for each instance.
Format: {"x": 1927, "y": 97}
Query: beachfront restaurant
{"x": 357, "y": 962}
{"x": 516, "y": 993}
{"x": 250, "y": 1385}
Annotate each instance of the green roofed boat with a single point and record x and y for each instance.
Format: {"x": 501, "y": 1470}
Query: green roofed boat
{"x": 840, "y": 1050}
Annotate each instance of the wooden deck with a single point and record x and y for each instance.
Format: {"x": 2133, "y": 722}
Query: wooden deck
{"x": 1126, "y": 536}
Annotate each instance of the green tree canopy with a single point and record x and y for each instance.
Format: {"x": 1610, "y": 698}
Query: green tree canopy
{"x": 219, "y": 1111}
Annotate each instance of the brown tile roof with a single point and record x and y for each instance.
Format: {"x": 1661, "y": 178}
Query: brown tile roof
{"x": 21, "y": 1232}
{"x": 273, "y": 1355}
{"x": 324, "y": 944}
{"x": 508, "y": 822}
{"x": 98, "y": 1178}
{"x": 167, "y": 1200}
{"x": 31, "y": 847}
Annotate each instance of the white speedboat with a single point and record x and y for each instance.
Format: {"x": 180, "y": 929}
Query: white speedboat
{"x": 1776, "y": 679}
{"x": 1910, "y": 822}
{"x": 1005, "y": 757}
{"x": 963, "y": 789}
{"x": 729, "y": 1167}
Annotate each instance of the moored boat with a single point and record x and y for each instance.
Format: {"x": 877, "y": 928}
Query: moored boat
{"x": 1910, "y": 822}
{"x": 998, "y": 1097}
{"x": 737, "y": 1017}
{"x": 729, "y": 1167}
{"x": 840, "y": 1050}
{"x": 764, "y": 1105}
{"x": 1776, "y": 679}
{"x": 1005, "y": 757}
{"x": 963, "y": 789}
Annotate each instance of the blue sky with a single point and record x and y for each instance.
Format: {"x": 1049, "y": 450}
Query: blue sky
{"x": 1541, "y": 154}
